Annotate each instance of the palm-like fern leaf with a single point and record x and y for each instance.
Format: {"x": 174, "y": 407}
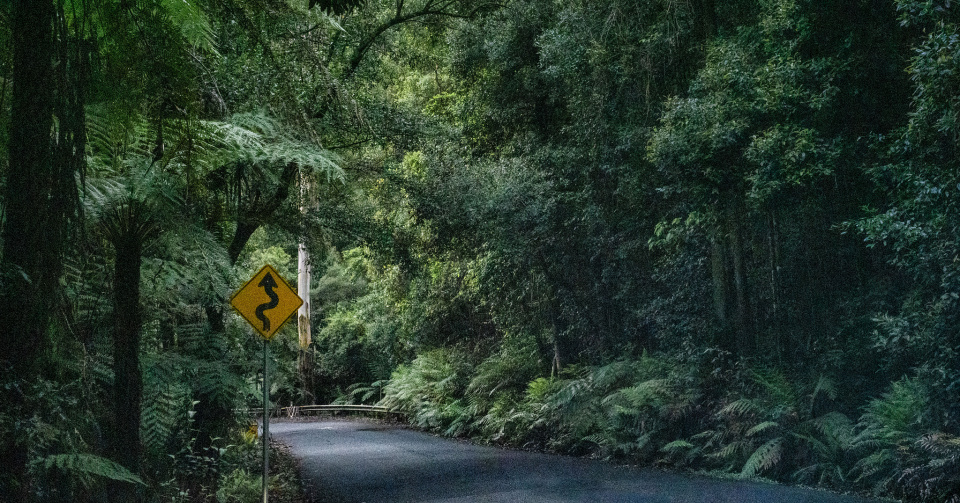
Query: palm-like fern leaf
{"x": 762, "y": 427}
{"x": 86, "y": 465}
{"x": 765, "y": 457}
{"x": 192, "y": 22}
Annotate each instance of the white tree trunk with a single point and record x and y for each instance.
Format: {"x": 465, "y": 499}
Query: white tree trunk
{"x": 305, "y": 357}
{"x": 303, "y": 271}
{"x": 303, "y": 289}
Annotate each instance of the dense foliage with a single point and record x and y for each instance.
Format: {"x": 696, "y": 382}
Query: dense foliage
{"x": 708, "y": 235}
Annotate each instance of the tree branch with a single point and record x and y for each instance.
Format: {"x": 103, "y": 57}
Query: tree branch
{"x": 257, "y": 213}
{"x": 430, "y": 8}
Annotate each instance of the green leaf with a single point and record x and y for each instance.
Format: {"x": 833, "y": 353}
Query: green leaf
{"x": 764, "y": 426}
{"x": 91, "y": 464}
{"x": 677, "y": 445}
{"x": 765, "y": 457}
{"x": 193, "y": 24}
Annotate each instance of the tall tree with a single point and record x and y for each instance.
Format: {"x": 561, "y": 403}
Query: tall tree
{"x": 33, "y": 224}
{"x": 127, "y": 227}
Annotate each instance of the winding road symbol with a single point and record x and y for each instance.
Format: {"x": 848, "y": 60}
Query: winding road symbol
{"x": 268, "y": 284}
{"x": 266, "y": 301}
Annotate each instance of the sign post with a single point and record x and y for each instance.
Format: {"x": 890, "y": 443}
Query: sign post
{"x": 266, "y": 302}
{"x": 266, "y": 418}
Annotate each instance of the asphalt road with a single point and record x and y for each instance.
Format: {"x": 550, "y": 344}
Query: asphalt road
{"x": 354, "y": 462}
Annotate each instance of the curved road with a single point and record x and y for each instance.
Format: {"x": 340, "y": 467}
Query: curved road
{"x": 355, "y": 462}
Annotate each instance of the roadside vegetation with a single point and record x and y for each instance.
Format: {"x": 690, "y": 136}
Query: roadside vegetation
{"x": 705, "y": 235}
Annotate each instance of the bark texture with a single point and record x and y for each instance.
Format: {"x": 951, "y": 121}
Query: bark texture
{"x": 30, "y": 257}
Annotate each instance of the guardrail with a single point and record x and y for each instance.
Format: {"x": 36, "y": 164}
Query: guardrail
{"x": 297, "y": 410}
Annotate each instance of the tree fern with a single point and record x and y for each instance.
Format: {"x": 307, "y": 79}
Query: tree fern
{"x": 259, "y": 139}
{"x": 189, "y": 266}
{"x": 120, "y": 141}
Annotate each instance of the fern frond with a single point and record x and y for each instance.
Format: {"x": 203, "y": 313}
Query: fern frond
{"x": 765, "y": 457}
{"x": 193, "y": 24}
{"x": 941, "y": 444}
{"x": 762, "y": 427}
{"x": 677, "y": 445}
{"x": 90, "y": 464}
{"x": 873, "y": 464}
{"x": 836, "y": 428}
{"x": 704, "y": 435}
{"x": 820, "y": 448}
{"x": 740, "y": 407}
{"x": 569, "y": 392}
{"x": 599, "y": 439}
{"x": 159, "y": 416}
{"x": 188, "y": 266}
{"x": 826, "y": 386}
{"x": 538, "y": 389}
{"x": 164, "y": 400}
{"x": 776, "y": 384}
{"x": 609, "y": 375}
{"x": 648, "y": 393}
{"x": 730, "y": 450}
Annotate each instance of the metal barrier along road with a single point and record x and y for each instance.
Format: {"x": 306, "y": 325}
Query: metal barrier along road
{"x": 297, "y": 410}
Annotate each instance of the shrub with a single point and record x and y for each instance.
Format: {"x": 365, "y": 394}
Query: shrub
{"x": 430, "y": 389}
{"x": 902, "y": 453}
{"x": 239, "y": 486}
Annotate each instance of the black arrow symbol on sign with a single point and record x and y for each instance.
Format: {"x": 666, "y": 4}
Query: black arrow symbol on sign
{"x": 268, "y": 284}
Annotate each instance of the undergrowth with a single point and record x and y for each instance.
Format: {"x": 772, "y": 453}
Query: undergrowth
{"x": 740, "y": 420}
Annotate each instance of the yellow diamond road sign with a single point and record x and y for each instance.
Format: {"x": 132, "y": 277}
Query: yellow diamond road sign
{"x": 266, "y": 302}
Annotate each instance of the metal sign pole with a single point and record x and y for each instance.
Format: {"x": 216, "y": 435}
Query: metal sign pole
{"x": 266, "y": 302}
{"x": 266, "y": 419}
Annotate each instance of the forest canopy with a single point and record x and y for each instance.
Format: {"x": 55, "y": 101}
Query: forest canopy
{"x": 718, "y": 236}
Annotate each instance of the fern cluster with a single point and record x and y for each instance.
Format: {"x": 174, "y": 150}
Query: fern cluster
{"x": 430, "y": 389}
{"x": 901, "y": 451}
{"x": 659, "y": 410}
{"x": 170, "y": 167}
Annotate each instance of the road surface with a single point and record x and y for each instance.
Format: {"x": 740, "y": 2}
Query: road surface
{"x": 365, "y": 462}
